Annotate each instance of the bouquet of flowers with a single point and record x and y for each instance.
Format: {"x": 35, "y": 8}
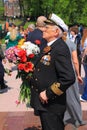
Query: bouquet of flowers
{"x": 23, "y": 57}
{"x": 11, "y": 54}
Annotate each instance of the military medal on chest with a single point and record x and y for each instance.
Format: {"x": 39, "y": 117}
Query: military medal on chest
{"x": 46, "y": 59}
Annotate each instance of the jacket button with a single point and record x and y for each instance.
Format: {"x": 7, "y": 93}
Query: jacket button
{"x": 36, "y": 90}
{"x": 36, "y": 79}
{"x": 38, "y": 69}
{"x": 32, "y": 86}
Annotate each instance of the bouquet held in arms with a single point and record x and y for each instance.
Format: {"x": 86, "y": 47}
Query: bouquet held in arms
{"x": 24, "y": 57}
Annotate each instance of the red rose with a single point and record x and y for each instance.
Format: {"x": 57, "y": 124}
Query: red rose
{"x": 28, "y": 67}
{"x": 23, "y": 59}
{"x": 21, "y": 53}
{"x": 38, "y": 42}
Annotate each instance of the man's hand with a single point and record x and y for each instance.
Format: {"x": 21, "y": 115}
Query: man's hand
{"x": 43, "y": 97}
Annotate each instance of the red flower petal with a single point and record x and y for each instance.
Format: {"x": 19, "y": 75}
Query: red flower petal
{"x": 21, "y": 66}
{"x": 28, "y": 67}
{"x": 31, "y": 56}
{"x": 23, "y": 59}
{"x": 17, "y": 102}
{"x": 21, "y": 53}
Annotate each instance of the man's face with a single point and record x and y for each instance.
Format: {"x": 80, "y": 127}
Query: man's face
{"x": 49, "y": 32}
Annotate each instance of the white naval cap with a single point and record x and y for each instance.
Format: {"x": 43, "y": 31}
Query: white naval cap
{"x": 56, "y": 20}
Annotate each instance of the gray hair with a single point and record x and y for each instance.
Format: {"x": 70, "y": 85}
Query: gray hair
{"x": 60, "y": 30}
{"x": 32, "y": 26}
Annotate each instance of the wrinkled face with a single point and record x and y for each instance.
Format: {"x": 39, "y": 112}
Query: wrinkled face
{"x": 50, "y": 32}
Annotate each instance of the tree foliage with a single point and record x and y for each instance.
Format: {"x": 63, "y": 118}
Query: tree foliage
{"x": 1, "y": 8}
{"x": 71, "y": 11}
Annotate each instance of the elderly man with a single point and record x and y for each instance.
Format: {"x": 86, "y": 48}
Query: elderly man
{"x": 52, "y": 76}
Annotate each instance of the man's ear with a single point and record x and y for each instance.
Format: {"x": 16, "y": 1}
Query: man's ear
{"x": 57, "y": 32}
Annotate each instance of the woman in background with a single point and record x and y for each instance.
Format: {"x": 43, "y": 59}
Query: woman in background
{"x": 13, "y": 37}
{"x": 73, "y": 114}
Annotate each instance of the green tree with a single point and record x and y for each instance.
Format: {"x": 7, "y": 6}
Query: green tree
{"x": 71, "y": 11}
{"x": 1, "y": 8}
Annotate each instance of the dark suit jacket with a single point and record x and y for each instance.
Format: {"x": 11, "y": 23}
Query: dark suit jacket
{"x": 37, "y": 35}
{"x": 58, "y": 69}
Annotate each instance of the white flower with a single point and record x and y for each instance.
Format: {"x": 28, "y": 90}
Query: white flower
{"x": 30, "y": 48}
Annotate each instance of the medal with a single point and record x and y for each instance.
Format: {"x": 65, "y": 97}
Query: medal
{"x": 46, "y": 59}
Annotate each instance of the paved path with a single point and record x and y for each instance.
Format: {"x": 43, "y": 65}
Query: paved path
{"x": 13, "y": 117}
{"x": 8, "y": 98}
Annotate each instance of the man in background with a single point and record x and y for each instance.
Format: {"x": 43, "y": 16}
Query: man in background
{"x": 37, "y": 34}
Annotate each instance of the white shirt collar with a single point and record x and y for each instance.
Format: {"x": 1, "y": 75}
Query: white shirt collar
{"x": 50, "y": 43}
